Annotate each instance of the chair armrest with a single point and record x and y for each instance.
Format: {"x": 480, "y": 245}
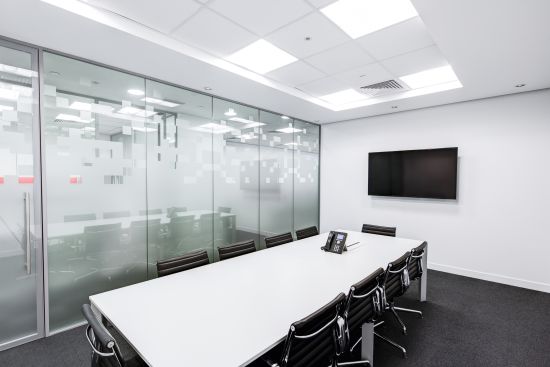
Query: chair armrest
{"x": 270, "y": 363}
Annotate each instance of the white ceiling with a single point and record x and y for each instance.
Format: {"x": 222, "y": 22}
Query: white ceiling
{"x": 491, "y": 45}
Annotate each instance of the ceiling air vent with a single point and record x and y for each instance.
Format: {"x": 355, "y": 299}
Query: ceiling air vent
{"x": 383, "y": 88}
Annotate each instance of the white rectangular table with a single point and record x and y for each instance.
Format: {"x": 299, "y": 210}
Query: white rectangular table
{"x": 231, "y": 312}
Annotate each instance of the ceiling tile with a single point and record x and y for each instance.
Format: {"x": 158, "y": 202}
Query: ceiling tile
{"x": 340, "y": 58}
{"x": 296, "y": 73}
{"x": 162, "y": 15}
{"x": 261, "y": 16}
{"x": 324, "y": 86}
{"x": 415, "y": 61}
{"x": 320, "y": 3}
{"x": 209, "y": 31}
{"x": 323, "y": 33}
{"x": 396, "y": 40}
{"x": 365, "y": 75}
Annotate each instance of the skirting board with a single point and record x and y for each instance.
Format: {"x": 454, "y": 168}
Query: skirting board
{"x": 516, "y": 282}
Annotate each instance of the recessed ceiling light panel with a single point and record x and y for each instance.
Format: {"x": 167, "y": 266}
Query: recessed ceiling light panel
{"x": 344, "y": 96}
{"x": 261, "y": 57}
{"x": 136, "y": 92}
{"x": 427, "y": 78}
{"x": 360, "y": 17}
{"x": 160, "y": 102}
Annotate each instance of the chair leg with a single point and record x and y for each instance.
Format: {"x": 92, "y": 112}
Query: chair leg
{"x": 392, "y": 308}
{"x": 392, "y": 343}
{"x": 419, "y": 313}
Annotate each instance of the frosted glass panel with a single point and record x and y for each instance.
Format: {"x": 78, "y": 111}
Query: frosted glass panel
{"x": 236, "y": 173}
{"x": 179, "y": 173}
{"x": 306, "y": 178}
{"x": 276, "y": 175}
{"x": 96, "y": 126}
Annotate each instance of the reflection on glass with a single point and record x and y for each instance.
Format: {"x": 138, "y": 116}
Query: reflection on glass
{"x": 236, "y": 173}
{"x": 95, "y": 139}
{"x": 179, "y": 173}
{"x": 276, "y": 175}
{"x": 306, "y": 175}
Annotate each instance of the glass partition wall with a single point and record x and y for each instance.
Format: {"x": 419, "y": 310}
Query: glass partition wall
{"x": 137, "y": 171}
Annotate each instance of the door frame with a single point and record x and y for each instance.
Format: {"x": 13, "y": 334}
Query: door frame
{"x": 37, "y": 203}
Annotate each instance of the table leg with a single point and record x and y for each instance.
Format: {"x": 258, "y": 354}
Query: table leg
{"x": 423, "y": 283}
{"x": 367, "y": 342}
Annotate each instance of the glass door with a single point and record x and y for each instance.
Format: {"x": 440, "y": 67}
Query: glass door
{"x": 21, "y": 275}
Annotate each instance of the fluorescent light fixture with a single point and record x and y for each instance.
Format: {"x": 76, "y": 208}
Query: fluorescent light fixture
{"x": 5, "y": 108}
{"x": 293, "y": 144}
{"x": 82, "y": 106}
{"x": 285, "y": 117}
{"x": 9, "y": 94}
{"x": 136, "y": 92}
{"x": 17, "y": 71}
{"x": 214, "y": 128}
{"x": 261, "y": 57}
{"x": 360, "y": 17}
{"x": 289, "y": 130}
{"x": 344, "y": 96}
{"x": 246, "y": 136}
{"x": 249, "y": 123}
{"x": 427, "y": 78}
{"x": 230, "y": 112}
{"x": 160, "y": 102}
{"x": 72, "y": 118}
{"x": 129, "y": 110}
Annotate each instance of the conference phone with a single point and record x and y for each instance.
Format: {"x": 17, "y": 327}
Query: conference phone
{"x": 336, "y": 242}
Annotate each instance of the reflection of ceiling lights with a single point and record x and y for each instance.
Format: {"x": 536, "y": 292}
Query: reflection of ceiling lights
{"x": 214, "y": 128}
{"x": 82, "y": 106}
{"x": 246, "y": 136}
{"x": 343, "y": 97}
{"x": 293, "y": 144}
{"x": 5, "y": 108}
{"x": 289, "y": 130}
{"x": 285, "y": 117}
{"x": 230, "y": 112}
{"x": 128, "y": 110}
{"x": 12, "y": 95}
{"x": 72, "y": 118}
{"x": 426, "y": 78}
{"x": 17, "y": 71}
{"x": 249, "y": 123}
{"x": 136, "y": 92}
{"x": 359, "y": 17}
{"x": 261, "y": 57}
{"x": 160, "y": 102}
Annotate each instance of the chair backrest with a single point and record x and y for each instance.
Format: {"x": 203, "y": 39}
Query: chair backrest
{"x": 224, "y": 209}
{"x": 279, "y": 239}
{"x": 415, "y": 261}
{"x": 79, "y": 217}
{"x": 236, "y": 249}
{"x": 306, "y": 232}
{"x": 104, "y": 237}
{"x": 145, "y": 230}
{"x": 150, "y": 212}
{"x": 364, "y": 302}
{"x": 188, "y": 261}
{"x": 313, "y": 341}
{"x": 121, "y": 214}
{"x": 396, "y": 278}
{"x": 384, "y": 231}
{"x": 105, "y": 351}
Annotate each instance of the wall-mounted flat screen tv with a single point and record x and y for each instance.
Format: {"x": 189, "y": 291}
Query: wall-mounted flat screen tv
{"x": 427, "y": 173}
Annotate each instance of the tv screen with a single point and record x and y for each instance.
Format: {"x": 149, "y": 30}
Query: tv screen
{"x": 428, "y": 173}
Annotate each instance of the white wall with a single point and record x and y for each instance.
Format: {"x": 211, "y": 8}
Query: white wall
{"x": 498, "y": 228}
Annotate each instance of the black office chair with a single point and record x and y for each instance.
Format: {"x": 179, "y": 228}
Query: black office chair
{"x": 236, "y": 249}
{"x": 317, "y": 339}
{"x": 415, "y": 272}
{"x": 383, "y": 231}
{"x": 79, "y": 217}
{"x": 365, "y": 304}
{"x": 191, "y": 260}
{"x": 105, "y": 350}
{"x": 306, "y": 232}
{"x": 395, "y": 284}
{"x": 278, "y": 240}
{"x": 121, "y": 214}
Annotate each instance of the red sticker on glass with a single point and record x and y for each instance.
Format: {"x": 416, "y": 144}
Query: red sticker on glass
{"x": 75, "y": 179}
{"x": 1, "y": 180}
{"x": 26, "y": 179}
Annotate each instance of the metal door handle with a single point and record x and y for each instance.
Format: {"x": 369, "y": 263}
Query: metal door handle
{"x": 27, "y": 200}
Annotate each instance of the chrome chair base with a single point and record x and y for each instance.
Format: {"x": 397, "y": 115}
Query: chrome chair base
{"x": 383, "y": 338}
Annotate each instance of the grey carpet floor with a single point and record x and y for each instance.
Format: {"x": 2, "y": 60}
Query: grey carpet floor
{"x": 467, "y": 322}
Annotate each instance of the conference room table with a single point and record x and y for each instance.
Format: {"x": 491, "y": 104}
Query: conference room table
{"x": 229, "y": 313}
